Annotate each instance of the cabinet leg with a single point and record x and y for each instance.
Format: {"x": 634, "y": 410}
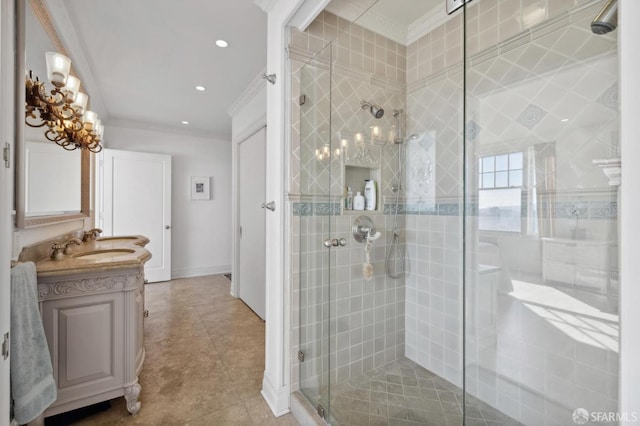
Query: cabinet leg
{"x": 131, "y": 394}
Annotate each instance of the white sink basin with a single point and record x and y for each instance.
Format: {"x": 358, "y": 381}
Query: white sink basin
{"x": 104, "y": 254}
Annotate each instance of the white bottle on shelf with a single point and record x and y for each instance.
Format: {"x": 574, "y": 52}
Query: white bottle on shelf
{"x": 358, "y": 201}
{"x": 349, "y": 203}
{"x": 369, "y": 194}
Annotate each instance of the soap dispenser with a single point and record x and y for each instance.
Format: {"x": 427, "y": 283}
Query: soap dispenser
{"x": 358, "y": 201}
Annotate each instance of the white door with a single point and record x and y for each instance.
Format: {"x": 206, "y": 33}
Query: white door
{"x": 137, "y": 201}
{"x": 6, "y": 193}
{"x": 251, "y": 191}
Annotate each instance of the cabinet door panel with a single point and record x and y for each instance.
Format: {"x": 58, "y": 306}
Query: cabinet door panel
{"x": 85, "y": 337}
{"x": 86, "y": 333}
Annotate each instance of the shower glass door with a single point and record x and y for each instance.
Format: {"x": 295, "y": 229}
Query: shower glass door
{"x": 316, "y": 215}
{"x": 541, "y": 270}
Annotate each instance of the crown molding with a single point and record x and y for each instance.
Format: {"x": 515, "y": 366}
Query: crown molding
{"x": 249, "y": 93}
{"x": 426, "y": 23}
{"x": 358, "y": 12}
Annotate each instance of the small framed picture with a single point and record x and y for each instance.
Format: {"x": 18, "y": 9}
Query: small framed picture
{"x": 200, "y": 188}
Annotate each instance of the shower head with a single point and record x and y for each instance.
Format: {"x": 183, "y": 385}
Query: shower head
{"x": 607, "y": 19}
{"x": 375, "y": 110}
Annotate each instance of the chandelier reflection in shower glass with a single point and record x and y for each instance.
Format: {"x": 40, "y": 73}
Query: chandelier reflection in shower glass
{"x": 63, "y": 111}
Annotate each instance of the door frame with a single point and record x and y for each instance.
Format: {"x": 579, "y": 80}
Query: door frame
{"x": 7, "y": 126}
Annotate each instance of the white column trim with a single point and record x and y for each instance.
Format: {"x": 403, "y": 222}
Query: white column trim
{"x": 276, "y": 383}
{"x": 629, "y": 89}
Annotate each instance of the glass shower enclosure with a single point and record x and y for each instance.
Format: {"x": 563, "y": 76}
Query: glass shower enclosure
{"x": 500, "y": 130}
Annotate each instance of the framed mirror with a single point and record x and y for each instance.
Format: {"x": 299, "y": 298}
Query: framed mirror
{"x": 52, "y": 184}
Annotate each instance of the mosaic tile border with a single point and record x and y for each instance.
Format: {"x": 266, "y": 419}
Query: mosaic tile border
{"x": 563, "y": 210}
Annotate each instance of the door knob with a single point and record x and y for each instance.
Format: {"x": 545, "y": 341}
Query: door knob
{"x": 271, "y": 205}
{"x": 167, "y": 227}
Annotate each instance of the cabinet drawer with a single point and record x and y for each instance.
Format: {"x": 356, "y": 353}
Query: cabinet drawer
{"x": 558, "y": 271}
{"x": 592, "y": 255}
{"x": 593, "y": 278}
{"x": 560, "y": 251}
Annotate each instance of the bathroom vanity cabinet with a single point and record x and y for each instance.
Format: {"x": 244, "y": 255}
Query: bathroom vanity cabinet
{"x": 93, "y": 315}
{"x": 585, "y": 263}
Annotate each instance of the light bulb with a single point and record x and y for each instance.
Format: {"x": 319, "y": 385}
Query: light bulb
{"x": 58, "y": 67}
{"x": 71, "y": 88}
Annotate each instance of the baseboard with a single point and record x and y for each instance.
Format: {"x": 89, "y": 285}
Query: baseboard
{"x": 198, "y": 272}
{"x": 277, "y": 399}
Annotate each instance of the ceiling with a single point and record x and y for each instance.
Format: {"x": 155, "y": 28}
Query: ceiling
{"x": 403, "y": 21}
{"x": 141, "y": 60}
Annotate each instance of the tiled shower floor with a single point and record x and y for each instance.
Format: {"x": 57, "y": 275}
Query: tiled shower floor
{"x": 402, "y": 393}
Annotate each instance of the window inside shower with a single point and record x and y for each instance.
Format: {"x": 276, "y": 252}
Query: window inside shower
{"x": 500, "y": 193}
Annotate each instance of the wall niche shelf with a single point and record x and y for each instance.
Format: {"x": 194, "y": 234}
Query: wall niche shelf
{"x": 360, "y": 163}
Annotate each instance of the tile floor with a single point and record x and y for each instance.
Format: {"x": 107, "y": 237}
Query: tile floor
{"x": 402, "y": 393}
{"x": 204, "y": 360}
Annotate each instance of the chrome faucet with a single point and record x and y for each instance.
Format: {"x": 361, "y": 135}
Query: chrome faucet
{"x": 91, "y": 234}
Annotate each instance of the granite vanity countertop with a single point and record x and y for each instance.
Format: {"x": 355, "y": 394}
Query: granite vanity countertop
{"x": 99, "y": 255}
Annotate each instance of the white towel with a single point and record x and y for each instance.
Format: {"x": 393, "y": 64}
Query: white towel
{"x": 32, "y": 386}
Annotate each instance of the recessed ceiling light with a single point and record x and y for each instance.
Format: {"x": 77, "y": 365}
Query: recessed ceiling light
{"x": 185, "y": 122}
{"x": 564, "y": 120}
{"x": 200, "y": 88}
{"x": 221, "y": 43}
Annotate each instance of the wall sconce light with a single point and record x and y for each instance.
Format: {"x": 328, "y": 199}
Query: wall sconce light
{"x": 63, "y": 111}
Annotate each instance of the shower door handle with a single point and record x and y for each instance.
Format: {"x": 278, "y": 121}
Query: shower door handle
{"x": 331, "y": 242}
{"x": 334, "y": 242}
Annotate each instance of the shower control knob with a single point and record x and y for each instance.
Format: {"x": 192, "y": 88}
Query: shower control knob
{"x": 342, "y": 242}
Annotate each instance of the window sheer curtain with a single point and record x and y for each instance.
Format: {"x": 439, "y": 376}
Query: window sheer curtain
{"x": 544, "y": 156}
